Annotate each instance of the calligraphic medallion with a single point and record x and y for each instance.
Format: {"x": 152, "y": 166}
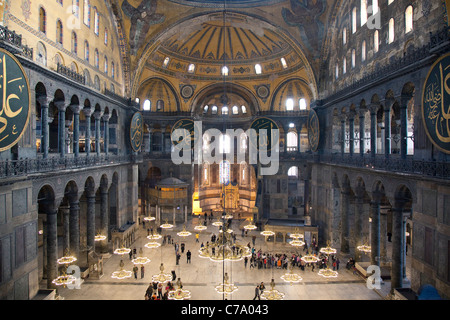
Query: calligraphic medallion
{"x": 189, "y": 126}
{"x": 137, "y": 131}
{"x": 270, "y": 137}
{"x": 313, "y": 130}
{"x": 15, "y": 99}
{"x": 436, "y": 104}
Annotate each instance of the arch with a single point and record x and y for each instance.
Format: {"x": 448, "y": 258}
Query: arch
{"x": 293, "y": 88}
{"x": 157, "y": 89}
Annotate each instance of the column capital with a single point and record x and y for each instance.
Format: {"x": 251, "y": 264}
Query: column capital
{"x": 44, "y": 101}
{"x": 106, "y": 117}
{"x": 87, "y": 112}
{"x": 373, "y": 107}
{"x": 61, "y": 105}
{"x": 388, "y": 103}
{"x": 76, "y": 108}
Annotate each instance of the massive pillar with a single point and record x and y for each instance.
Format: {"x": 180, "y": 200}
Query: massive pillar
{"x": 65, "y": 211}
{"x": 398, "y": 236}
{"x": 375, "y": 229}
{"x": 106, "y": 118}
{"x": 90, "y": 219}
{"x": 74, "y": 219}
{"x": 351, "y": 132}
{"x": 345, "y": 230}
{"x": 104, "y": 216}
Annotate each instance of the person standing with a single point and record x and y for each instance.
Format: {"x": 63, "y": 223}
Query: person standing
{"x": 142, "y": 271}
{"x": 245, "y": 262}
{"x": 257, "y": 293}
{"x": 196, "y": 237}
{"x": 160, "y": 290}
{"x": 178, "y": 258}
{"x": 262, "y": 287}
{"x": 188, "y": 256}
{"x": 135, "y": 270}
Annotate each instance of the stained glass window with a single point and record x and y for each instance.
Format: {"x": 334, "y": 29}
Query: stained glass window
{"x": 224, "y": 172}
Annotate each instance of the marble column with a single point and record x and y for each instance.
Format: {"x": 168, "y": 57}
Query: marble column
{"x": 375, "y": 232}
{"x": 358, "y": 228}
{"x": 76, "y": 128}
{"x": 398, "y": 235}
{"x": 174, "y": 216}
{"x": 90, "y": 220}
{"x": 97, "y": 117}
{"x": 404, "y": 127}
{"x": 185, "y": 215}
{"x": 43, "y": 101}
{"x": 373, "y": 130}
{"x": 52, "y": 244}
{"x": 387, "y": 130}
{"x": 61, "y": 126}
{"x": 74, "y": 218}
{"x": 104, "y": 216}
{"x": 383, "y": 233}
{"x": 362, "y": 131}
{"x": 106, "y": 118}
{"x": 345, "y": 201}
{"x": 351, "y": 131}
{"x": 87, "y": 143}
{"x": 65, "y": 211}
{"x": 343, "y": 119}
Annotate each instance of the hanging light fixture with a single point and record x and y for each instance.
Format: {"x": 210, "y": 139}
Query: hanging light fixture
{"x": 267, "y": 232}
{"x": 250, "y": 226}
{"x": 179, "y": 293}
{"x": 155, "y": 236}
{"x": 309, "y": 258}
{"x": 99, "y": 237}
{"x": 217, "y": 223}
{"x": 200, "y": 226}
{"x": 184, "y": 233}
{"x": 149, "y": 218}
{"x": 152, "y": 245}
{"x": 296, "y": 234}
{"x": 364, "y": 248}
{"x": 121, "y": 274}
{"x": 328, "y": 249}
{"x": 162, "y": 277}
{"x": 272, "y": 294}
{"x": 166, "y": 225}
{"x": 64, "y": 279}
{"x": 141, "y": 259}
{"x": 297, "y": 243}
{"x": 67, "y": 258}
{"x": 122, "y": 251}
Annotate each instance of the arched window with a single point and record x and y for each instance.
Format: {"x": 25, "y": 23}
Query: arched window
{"x": 391, "y": 30}
{"x": 283, "y": 63}
{"x": 353, "y": 58}
{"x": 409, "y": 15}
{"x": 42, "y": 20}
{"x": 363, "y": 12}
{"x": 147, "y": 105}
{"x": 113, "y": 71}
{"x": 59, "y": 32}
{"x": 214, "y": 110}
{"x": 289, "y": 104}
{"x": 224, "y": 172}
{"x": 344, "y": 65}
{"x": 292, "y": 141}
{"x": 96, "y": 22}
{"x": 87, "y": 13}
{"x": 235, "y": 110}
{"x": 258, "y": 69}
{"x": 354, "y": 20}
{"x": 191, "y": 68}
{"x": 302, "y": 104}
{"x": 96, "y": 59}
{"x": 166, "y": 62}
{"x": 363, "y": 51}
{"x": 243, "y": 142}
{"x": 375, "y": 7}
{"x": 76, "y": 8}
{"x": 205, "y": 172}
{"x": 337, "y": 70}
{"x": 205, "y": 109}
{"x": 344, "y": 36}
{"x": 224, "y": 70}
{"x": 106, "y": 65}
{"x": 244, "y": 109}
{"x": 376, "y": 41}
{"x": 293, "y": 171}
{"x": 225, "y": 110}
{"x": 86, "y": 51}
{"x": 106, "y": 37}
{"x": 225, "y": 143}
{"x": 74, "y": 42}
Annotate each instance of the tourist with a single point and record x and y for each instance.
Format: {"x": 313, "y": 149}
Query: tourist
{"x": 135, "y": 271}
{"x": 257, "y": 293}
{"x": 142, "y": 271}
{"x": 196, "y": 237}
{"x": 160, "y": 290}
{"x": 188, "y": 256}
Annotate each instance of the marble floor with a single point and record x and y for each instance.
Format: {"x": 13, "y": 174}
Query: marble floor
{"x": 201, "y": 276}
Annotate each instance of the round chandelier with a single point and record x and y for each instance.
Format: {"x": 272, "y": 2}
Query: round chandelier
{"x": 184, "y": 233}
{"x": 162, "y": 277}
{"x": 226, "y": 287}
{"x": 149, "y": 218}
{"x": 224, "y": 249}
{"x": 154, "y": 236}
{"x": 291, "y": 277}
{"x": 217, "y": 223}
{"x": 200, "y": 227}
{"x": 227, "y": 216}
{"x": 121, "y": 274}
{"x": 310, "y": 258}
{"x": 250, "y": 226}
{"x": 99, "y": 237}
{"x": 328, "y": 273}
{"x": 166, "y": 225}
{"x": 272, "y": 294}
{"x": 296, "y": 234}
{"x": 67, "y": 259}
{"x": 328, "y": 249}
{"x": 179, "y": 293}
{"x": 267, "y": 232}
{"x": 122, "y": 251}
{"x": 64, "y": 279}
{"x": 297, "y": 243}
{"x": 141, "y": 259}
{"x": 152, "y": 245}
{"x": 364, "y": 248}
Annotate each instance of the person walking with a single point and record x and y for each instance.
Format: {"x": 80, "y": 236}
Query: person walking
{"x": 245, "y": 262}
{"x": 142, "y": 271}
{"x": 196, "y": 237}
{"x": 188, "y": 256}
{"x": 160, "y": 290}
{"x": 257, "y": 293}
{"x": 262, "y": 287}
{"x": 135, "y": 270}
{"x": 178, "y": 258}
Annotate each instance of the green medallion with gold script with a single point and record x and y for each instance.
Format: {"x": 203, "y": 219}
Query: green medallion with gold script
{"x": 137, "y": 131}
{"x": 313, "y": 130}
{"x": 436, "y": 104}
{"x": 15, "y": 98}
{"x": 188, "y": 125}
{"x": 272, "y": 137}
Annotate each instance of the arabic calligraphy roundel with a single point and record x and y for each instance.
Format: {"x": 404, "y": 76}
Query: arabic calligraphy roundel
{"x": 15, "y": 100}
{"x": 137, "y": 131}
{"x": 436, "y": 104}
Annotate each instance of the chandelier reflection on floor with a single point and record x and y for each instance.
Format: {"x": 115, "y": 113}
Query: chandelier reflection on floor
{"x": 162, "y": 277}
{"x": 121, "y": 274}
{"x": 272, "y": 294}
{"x": 226, "y": 287}
{"x": 179, "y": 293}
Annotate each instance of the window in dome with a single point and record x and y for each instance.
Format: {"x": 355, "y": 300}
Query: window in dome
{"x": 344, "y": 66}
{"x": 74, "y": 42}
{"x": 244, "y": 109}
{"x": 409, "y": 19}
{"x": 376, "y": 41}
{"x": 289, "y": 104}
{"x": 147, "y": 105}
{"x": 86, "y": 51}
{"x": 42, "y": 20}
{"x": 96, "y": 22}
{"x": 87, "y": 13}
{"x": 363, "y": 12}
{"x": 283, "y": 63}
{"x": 258, "y": 69}
{"x": 59, "y": 32}
{"x": 291, "y": 125}
{"x": 337, "y": 71}
{"x": 292, "y": 141}
{"x": 375, "y": 7}
{"x": 75, "y": 7}
{"x": 106, "y": 65}
{"x": 293, "y": 172}
{"x": 344, "y": 36}
{"x": 235, "y": 110}
{"x": 106, "y": 37}
{"x": 96, "y": 59}
{"x": 224, "y": 143}
{"x": 391, "y": 30}
{"x": 205, "y": 109}
{"x": 363, "y": 51}
{"x": 191, "y": 68}
{"x": 224, "y": 110}
{"x": 166, "y": 62}
{"x": 354, "y": 20}
{"x": 137, "y": 100}
{"x": 302, "y": 104}
{"x": 113, "y": 71}
{"x": 224, "y": 70}
{"x": 214, "y": 110}
{"x": 353, "y": 58}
